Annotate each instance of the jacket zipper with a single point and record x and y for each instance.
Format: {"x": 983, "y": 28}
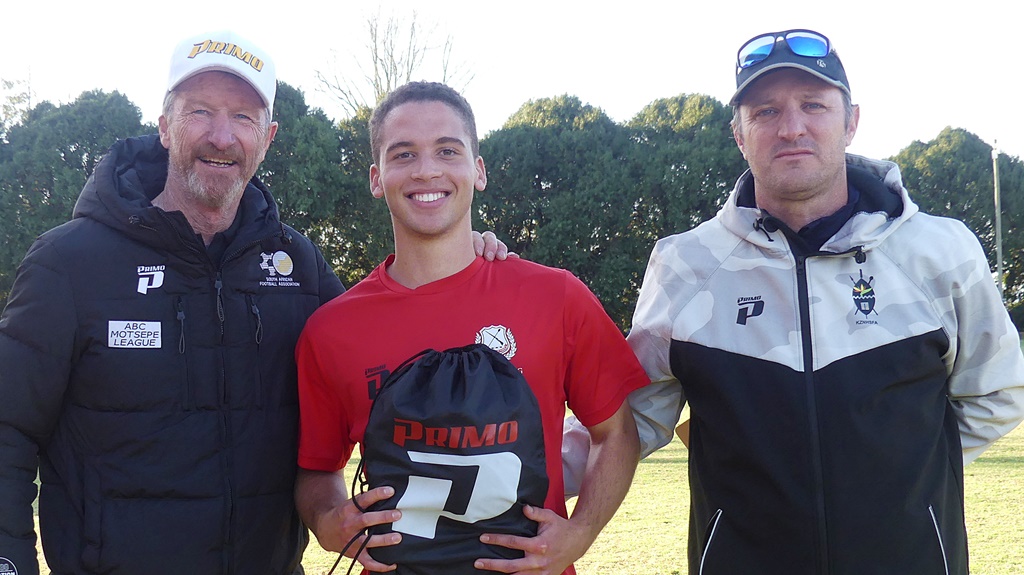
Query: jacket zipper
{"x": 806, "y": 339}
{"x": 812, "y": 411}
{"x": 225, "y": 420}
{"x": 218, "y": 283}
{"x": 229, "y": 511}
{"x": 225, "y": 423}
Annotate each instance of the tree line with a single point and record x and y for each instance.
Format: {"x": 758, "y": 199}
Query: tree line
{"x": 567, "y": 186}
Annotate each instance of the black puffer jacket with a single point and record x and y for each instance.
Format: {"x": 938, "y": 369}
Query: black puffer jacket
{"x": 157, "y": 386}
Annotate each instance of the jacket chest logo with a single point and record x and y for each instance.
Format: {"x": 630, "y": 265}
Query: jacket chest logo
{"x": 278, "y": 267}
{"x": 133, "y": 334}
{"x": 749, "y": 307}
{"x": 150, "y": 277}
{"x": 864, "y": 294}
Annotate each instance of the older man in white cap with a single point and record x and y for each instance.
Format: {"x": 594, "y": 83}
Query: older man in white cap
{"x": 146, "y": 352}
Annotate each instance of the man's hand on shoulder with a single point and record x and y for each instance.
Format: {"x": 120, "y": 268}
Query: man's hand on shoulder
{"x": 488, "y": 245}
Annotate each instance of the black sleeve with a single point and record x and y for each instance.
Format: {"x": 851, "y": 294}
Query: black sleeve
{"x": 37, "y": 332}
{"x": 330, "y": 286}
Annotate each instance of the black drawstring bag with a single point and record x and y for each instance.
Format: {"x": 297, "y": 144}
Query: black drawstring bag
{"x": 458, "y": 435}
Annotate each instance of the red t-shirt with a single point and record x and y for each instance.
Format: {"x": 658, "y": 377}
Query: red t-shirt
{"x": 544, "y": 320}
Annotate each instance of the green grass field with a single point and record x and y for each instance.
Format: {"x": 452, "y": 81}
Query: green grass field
{"x": 648, "y": 534}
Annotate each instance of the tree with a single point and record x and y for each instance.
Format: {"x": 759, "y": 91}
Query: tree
{"x": 1011, "y": 183}
{"x": 367, "y": 234}
{"x": 691, "y": 162}
{"x": 562, "y": 190}
{"x": 395, "y": 51}
{"x": 301, "y": 167}
{"x": 15, "y": 100}
{"x": 45, "y": 162}
{"x": 952, "y": 176}
{"x": 318, "y": 174}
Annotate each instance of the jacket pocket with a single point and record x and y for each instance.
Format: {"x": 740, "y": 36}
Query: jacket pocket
{"x": 709, "y": 538}
{"x": 938, "y": 536}
{"x": 256, "y": 326}
{"x": 92, "y": 517}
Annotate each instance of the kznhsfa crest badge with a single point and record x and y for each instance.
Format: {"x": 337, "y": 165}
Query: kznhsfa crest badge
{"x": 864, "y": 294}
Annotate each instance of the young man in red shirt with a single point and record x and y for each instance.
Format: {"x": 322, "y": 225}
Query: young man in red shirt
{"x": 434, "y": 292}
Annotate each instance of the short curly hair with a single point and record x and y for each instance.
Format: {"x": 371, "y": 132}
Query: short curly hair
{"x": 422, "y": 92}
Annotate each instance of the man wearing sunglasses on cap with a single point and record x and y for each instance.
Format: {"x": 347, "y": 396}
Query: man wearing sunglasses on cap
{"x": 842, "y": 353}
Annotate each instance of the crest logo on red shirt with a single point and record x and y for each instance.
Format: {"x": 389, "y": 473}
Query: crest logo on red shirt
{"x": 499, "y": 338}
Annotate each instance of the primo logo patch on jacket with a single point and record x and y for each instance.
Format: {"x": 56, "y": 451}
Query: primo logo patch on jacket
{"x": 458, "y": 434}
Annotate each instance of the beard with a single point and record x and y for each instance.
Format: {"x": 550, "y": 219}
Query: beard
{"x": 215, "y": 194}
{"x": 213, "y": 191}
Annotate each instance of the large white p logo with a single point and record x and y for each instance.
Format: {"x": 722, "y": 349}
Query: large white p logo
{"x": 150, "y": 280}
{"x": 494, "y": 492}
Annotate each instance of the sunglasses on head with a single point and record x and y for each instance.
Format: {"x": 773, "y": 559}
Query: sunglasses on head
{"x": 800, "y": 42}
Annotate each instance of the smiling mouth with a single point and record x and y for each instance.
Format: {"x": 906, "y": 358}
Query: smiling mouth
{"x": 428, "y": 197}
{"x": 217, "y": 163}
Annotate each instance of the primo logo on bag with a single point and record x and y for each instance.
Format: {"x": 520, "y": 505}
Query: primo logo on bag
{"x": 456, "y": 437}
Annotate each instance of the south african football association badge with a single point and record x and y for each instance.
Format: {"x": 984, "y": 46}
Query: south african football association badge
{"x": 7, "y": 567}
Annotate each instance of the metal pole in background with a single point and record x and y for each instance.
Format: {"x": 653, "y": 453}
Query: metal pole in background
{"x": 999, "y": 223}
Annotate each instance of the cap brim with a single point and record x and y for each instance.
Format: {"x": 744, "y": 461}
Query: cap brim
{"x": 735, "y": 100}
{"x": 227, "y": 69}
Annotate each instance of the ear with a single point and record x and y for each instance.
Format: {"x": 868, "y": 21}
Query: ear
{"x": 737, "y": 135}
{"x": 376, "y": 189}
{"x": 481, "y": 174}
{"x": 267, "y": 140}
{"x": 851, "y": 129}
{"x": 163, "y": 125}
{"x": 270, "y": 135}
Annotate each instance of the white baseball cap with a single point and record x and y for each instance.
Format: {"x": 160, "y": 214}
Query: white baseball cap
{"x": 224, "y": 51}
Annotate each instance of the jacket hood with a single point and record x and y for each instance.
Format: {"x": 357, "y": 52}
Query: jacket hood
{"x": 133, "y": 172}
{"x": 883, "y": 206}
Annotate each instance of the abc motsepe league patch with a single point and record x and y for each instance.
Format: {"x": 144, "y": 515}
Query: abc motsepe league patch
{"x": 458, "y": 434}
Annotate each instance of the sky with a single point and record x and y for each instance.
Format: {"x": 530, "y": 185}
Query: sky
{"x": 915, "y": 66}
